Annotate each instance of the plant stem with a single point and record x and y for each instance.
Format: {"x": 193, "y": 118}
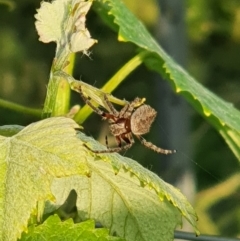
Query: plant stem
{"x": 192, "y": 236}
{"x": 20, "y": 108}
{"x": 58, "y": 90}
{"x": 128, "y": 68}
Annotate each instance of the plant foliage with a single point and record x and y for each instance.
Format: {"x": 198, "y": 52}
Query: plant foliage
{"x": 46, "y": 160}
{"x": 43, "y": 162}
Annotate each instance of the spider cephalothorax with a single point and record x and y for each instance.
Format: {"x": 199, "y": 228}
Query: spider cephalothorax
{"x": 134, "y": 118}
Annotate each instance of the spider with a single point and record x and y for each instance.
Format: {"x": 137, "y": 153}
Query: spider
{"x": 135, "y": 118}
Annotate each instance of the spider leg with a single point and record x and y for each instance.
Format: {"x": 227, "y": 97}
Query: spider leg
{"x": 110, "y": 105}
{"x": 88, "y": 102}
{"x": 155, "y": 148}
{"x": 127, "y": 138}
{"x": 97, "y": 110}
{"x": 115, "y": 149}
{"x": 127, "y": 110}
{"x": 117, "y": 139}
{"x": 109, "y": 150}
{"x": 106, "y": 141}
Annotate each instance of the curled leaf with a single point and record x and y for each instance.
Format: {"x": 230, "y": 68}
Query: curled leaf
{"x": 63, "y": 22}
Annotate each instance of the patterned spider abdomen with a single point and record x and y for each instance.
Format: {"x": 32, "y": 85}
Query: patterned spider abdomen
{"x": 142, "y": 119}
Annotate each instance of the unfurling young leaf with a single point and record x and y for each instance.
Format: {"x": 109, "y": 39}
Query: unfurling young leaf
{"x": 64, "y": 23}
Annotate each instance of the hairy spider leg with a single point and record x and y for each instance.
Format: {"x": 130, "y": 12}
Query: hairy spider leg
{"x": 127, "y": 110}
{"x": 118, "y": 140}
{"x": 88, "y": 102}
{"x": 154, "y": 147}
{"x": 106, "y": 142}
{"x": 97, "y": 110}
{"x": 110, "y": 150}
{"x": 128, "y": 140}
{"x": 123, "y": 111}
{"x": 112, "y": 118}
{"x": 110, "y": 105}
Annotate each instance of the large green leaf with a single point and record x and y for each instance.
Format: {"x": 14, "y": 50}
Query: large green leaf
{"x": 54, "y": 230}
{"x": 28, "y": 163}
{"x": 222, "y": 115}
{"x": 46, "y": 160}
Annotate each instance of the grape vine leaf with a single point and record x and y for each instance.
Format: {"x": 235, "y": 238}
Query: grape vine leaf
{"x": 46, "y": 160}
{"x": 221, "y": 114}
{"x": 29, "y": 160}
{"x": 53, "y": 229}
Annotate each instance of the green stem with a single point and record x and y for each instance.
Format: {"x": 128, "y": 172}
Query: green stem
{"x": 128, "y": 68}
{"x": 58, "y": 90}
{"x": 20, "y": 108}
{"x": 113, "y": 83}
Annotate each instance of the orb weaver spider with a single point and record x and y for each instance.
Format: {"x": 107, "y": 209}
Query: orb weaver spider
{"x": 135, "y": 118}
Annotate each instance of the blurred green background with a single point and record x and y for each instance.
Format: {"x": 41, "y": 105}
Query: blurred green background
{"x": 212, "y": 53}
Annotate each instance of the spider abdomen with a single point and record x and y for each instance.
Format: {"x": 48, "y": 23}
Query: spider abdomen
{"x": 142, "y": 119}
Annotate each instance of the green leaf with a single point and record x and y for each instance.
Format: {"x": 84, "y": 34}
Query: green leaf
{"x": 46, "y": 160}
{"x": 119, "y": 203}
{"x": 54, "y": 230}
{"x": 222, "y": 115}
{"x": 127, "y": 198}
{"x": 28, "y": 163}
{"x": 127, "y": 176}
